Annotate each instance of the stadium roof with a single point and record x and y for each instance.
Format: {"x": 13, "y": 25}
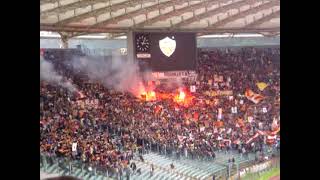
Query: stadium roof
{"x": 81, "y": 17}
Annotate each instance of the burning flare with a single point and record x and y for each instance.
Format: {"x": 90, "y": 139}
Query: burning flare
{"x": 149, "y": 96}
{"x": 182, "y": 95}
{"x": 183, "y": 98}
{"x": 179, "y": 98}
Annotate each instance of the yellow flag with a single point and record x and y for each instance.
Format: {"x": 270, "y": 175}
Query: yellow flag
{"x": 262, "y": 85}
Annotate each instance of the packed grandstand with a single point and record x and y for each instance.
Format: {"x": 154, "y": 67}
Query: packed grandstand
{"x": 234, "y": 110}
{"x": 182, "y": 89}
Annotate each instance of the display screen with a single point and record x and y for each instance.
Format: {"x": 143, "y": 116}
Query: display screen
{"x": 166, "y": 51}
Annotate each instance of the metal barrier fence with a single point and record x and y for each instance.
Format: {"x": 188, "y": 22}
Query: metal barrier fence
{"x": 225, "y": 173}
{"x": 66, "y": 166}
{"x": 256, "y": 169}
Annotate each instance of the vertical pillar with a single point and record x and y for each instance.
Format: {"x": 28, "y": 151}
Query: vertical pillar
{"x": 130, "y": 43}
{"x": 64, "y": 40}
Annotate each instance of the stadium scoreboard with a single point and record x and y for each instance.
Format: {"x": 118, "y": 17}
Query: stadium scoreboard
{"x": 162, "y": 52}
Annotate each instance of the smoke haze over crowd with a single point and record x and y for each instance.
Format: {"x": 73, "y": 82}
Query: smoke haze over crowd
{"x": 119, "y": 74}
{"x": 48, "y": 74}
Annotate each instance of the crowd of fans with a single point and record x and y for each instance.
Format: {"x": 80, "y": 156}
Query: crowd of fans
{"x": 106, "y": 127}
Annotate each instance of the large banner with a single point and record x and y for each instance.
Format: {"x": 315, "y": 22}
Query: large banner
{"x": 183, "y": 75}
{"x": 173, "y": 74}
{"x": 219, "y": 93}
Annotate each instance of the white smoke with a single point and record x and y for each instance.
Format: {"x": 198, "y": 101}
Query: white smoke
{"x": 48, "y": 74}
{"x": 174, "y": 83}
{"x": 119, "y": 74}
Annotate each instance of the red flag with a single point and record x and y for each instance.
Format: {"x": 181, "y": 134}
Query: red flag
{"x": 256, "y": 98}
{"x": 196, "y": 116}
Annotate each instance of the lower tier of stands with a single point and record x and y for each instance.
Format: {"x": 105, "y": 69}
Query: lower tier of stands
{"x": 184, "y": 168}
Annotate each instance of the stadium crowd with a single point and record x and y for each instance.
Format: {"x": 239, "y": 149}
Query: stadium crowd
{"x": 105, "y": 127}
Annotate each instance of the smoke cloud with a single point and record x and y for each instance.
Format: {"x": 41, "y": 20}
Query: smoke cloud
{"x": 48, "y": 74}
{"x": 120, "y": 74}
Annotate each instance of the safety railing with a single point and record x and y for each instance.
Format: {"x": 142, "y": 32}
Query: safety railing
{"x": 66, "y": 166}
{"x": 254, "y": 169}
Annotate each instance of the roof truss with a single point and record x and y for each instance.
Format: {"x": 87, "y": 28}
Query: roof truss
{"x": 119, "y": 30}
{"x": 47, "y": 1}
{"x": 178, "y": 12}
{"x": 71, "y": 6}
{"x": 201, "y": 9}
{"x": 264, "y": 19}
{"x": 245, "y": 13}
{"x": 101, "y": 11}
{"x": 213, "y": 12}
{"x": 137, "y": 13}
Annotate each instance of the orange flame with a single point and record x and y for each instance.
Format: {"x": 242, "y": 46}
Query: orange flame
{"x": 182, "y": 98}
{"x": 179, "y": 97}
{"x": 149, "y": 96}
{"x": 182, "y": 95}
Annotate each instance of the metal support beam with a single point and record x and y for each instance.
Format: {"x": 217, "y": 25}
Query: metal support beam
{"x": 71, "y": 6}
{"x": 245, "y": 13}
{"x": 47, "y": 1}
{"x": 221, "y": 9}
{"x": 100, "y": 11}
{"x": 264, "y": 19}
{"x": 115, "y": 35}
{"x": 84, "y": 29}
{"x": 130, "y": 46}
{"x": 135, "y": 13}
{"x": 269, "y": 34}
